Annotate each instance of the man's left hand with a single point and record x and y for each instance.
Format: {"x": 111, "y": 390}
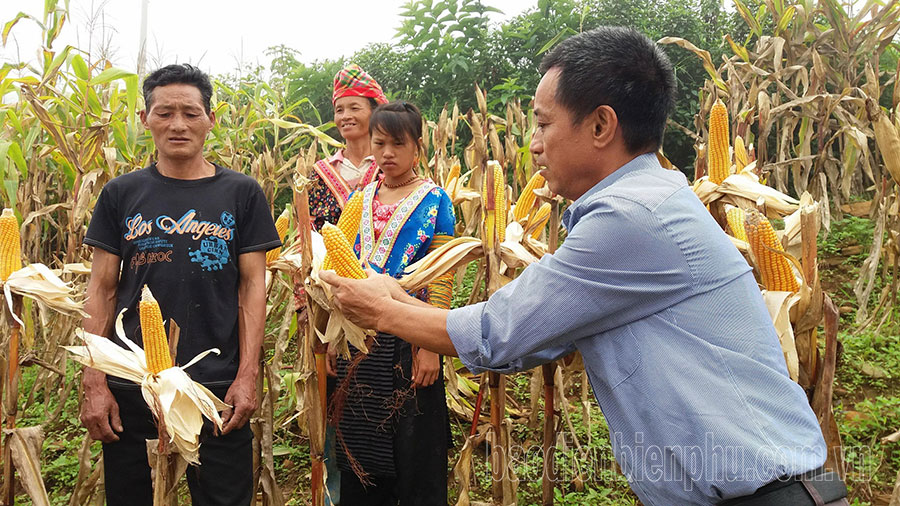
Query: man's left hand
{"x": 242, "y": 396}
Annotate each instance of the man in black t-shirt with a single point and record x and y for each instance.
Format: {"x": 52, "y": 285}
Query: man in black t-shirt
{"x": 196, "y": 234}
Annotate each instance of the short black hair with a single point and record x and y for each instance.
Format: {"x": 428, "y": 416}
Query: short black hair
{"x": 398, "y": 119}
{"x": 621, "y": 68}
{"x": 184, "y": 73}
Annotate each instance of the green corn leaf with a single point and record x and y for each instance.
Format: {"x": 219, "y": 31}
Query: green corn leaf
{"x": 80, "y": 68}
{"x": 13, "y": 119}
{"x": 15, "y": 153}
{"x": 111, "y": 74}
{"x": 10, "y": 24}
{"x": 11, "y": 186}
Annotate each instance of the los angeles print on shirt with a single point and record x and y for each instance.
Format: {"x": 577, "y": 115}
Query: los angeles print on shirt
{"x": 212, "y": 252}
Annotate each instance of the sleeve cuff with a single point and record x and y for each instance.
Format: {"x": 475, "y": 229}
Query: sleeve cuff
{"x": 464, "y": 329}
{"x": 98, "y": 244}
{"x": 257, "y": 247}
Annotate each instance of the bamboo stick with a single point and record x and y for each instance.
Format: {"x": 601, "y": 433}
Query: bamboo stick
{"x": 314, "y": 350}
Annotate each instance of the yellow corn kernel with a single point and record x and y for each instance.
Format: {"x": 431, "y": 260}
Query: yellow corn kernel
{"x": 735, "y": 216}
{"x": 343, "y": 260}
{"x": 488, "y": 210}
{"x": 539, "y": 220}
{"x": 499, "y": 200}
{"x": 453, "y": 174}
{"x": 527, "y": 197}
{"x": 348, "y": 223}
{"x": 719, "y": 160}
{"x": 153, "y": 333}
{"x": 774, "y": 269}
{"x": 351, "y": 216}
{"x": 10, "y": 244}
{"x": 281, "y": 225}
{"x": 741, "y": 158}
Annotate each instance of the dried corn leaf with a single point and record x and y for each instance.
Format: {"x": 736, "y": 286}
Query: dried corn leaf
{"x": 779, "y": 305}
{"x": 886, "y": 137}
{"x": 25, "y": 444}
{"x": 175, "y": 467}
{"x": 462, "y": 471}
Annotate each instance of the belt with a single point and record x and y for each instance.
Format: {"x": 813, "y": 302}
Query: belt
{"x": 815, "y": 488}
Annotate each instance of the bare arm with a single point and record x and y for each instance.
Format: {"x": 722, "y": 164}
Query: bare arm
{"x": 99, "y": 411}
{"x": 251, "y": 327}
{"x": 379, "y": 303}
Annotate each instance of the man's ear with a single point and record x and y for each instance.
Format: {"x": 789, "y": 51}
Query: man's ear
{"x": 212, "y": 119}
{"x": 603, "y": 122}
{"x": 143, "y": 116}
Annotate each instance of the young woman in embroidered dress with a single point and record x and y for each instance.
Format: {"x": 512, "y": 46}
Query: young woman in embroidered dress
{"x": 389, "y": 407}
{"x": 356, "y": 94}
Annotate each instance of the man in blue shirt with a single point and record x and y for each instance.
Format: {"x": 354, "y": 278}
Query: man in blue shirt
{"x": 677, "y": 343}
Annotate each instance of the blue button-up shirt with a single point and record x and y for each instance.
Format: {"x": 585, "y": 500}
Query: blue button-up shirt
{"x": 676, "y": 340}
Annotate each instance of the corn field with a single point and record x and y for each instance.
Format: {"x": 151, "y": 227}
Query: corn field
{"x": 806, "y": 124}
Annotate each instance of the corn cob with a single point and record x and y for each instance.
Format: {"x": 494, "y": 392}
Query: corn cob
{"x": 499, "y": 200}
{"x": 774, "y": 269}
{"x": 348, "y": 223}
{"x": 10, "y": 244}
{"x": 539, "y": 220}
{"x": 735, "y": 216}
{"x": 454, "y": 173}
{"x": 741, "y": 158}
{"x": 281, "y": 225}
{"x": 527, "y": 197}
{"x": 440, "y": 291}
{"x": 156, "y": 345}
{"x": 718, "y": 143}
{"x": 351, "y": 216}
{"x": 343, "y": 260}
{"x": 488, "y": 209}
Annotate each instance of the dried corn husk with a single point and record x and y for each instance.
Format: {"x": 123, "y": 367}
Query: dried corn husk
{"x": 171, "y": 395}
{"x": 886, "y": 137}
{"x": 514, "y": 252}
{"x": 743, "y": 190}
{"x": 779, "y": 305}
{"x": 38, "y": 282}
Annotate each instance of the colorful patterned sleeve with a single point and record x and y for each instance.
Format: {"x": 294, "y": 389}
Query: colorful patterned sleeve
{"x": 322, "y": 204}
{"x": 440, "y": 291}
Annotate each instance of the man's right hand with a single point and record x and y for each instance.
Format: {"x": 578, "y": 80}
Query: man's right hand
{"x": 99, "y": 410}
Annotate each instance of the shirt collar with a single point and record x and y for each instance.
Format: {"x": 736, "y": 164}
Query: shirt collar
{"x": 640, "y": 162}
{"x": 338, "y": 157}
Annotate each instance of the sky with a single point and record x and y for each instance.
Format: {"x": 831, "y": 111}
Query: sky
{"x": 217, "y": 35}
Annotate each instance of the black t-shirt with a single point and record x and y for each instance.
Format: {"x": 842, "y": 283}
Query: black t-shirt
{"x": 182, "y": 238}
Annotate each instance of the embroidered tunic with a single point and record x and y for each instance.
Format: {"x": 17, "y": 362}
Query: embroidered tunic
{"x": 329, "y": 191}
{"x": 384, "y": 420}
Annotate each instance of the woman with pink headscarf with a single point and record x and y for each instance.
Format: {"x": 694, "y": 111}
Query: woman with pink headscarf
{"x": 356, "y": 95}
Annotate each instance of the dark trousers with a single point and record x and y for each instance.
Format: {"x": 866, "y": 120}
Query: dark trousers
{"x": 224, "y": 478}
